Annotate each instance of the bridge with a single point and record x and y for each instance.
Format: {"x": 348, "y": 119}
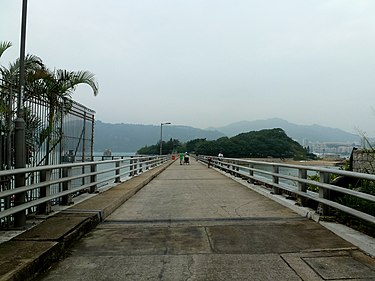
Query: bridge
{"x": 190, "y": 222}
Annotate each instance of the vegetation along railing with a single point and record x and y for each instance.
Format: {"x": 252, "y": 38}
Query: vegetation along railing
{"x": 331, "y": 191}
{"x": 58, "y": 184}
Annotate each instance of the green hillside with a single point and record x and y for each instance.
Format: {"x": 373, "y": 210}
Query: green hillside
{"x": 264, "y": 143}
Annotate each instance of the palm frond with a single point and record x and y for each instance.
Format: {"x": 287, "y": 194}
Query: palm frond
{"x": 3, "y": 46}
{"x": 72, "y": 79}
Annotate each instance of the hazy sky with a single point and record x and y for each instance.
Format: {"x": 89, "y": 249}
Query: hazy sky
{"x": 209, "y": 63}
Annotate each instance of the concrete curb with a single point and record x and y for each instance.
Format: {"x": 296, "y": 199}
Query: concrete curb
{"x": 34, "y": 251}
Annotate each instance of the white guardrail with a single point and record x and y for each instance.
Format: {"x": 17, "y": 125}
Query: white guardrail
{"x": 57, "y": 184}
{"x": 294, "y": 180}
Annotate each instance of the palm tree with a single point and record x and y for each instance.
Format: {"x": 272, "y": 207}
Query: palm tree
{"x": 51, "y": 88}
{"x": 5, "y": 111}
{"x": 8, "y": 92}
{"x": 55, "y": 89}
{"x": 3, "y": 47}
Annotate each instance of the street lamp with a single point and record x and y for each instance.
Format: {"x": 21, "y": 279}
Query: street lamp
{"x": 161, "y": 136}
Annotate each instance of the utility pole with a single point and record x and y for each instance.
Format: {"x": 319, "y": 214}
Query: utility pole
{"x": 19, "y": 125}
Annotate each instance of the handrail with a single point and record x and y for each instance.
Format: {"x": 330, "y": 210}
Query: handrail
{"x": 296, "y": 181}
{"x": 68, "y": 179}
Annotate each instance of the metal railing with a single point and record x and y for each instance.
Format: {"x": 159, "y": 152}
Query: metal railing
{"x": 294, "y": 180}
{"x": 60, "y": 183}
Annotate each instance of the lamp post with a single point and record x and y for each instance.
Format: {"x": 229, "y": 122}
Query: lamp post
{"x": 161, "y": 136}
{"x": 19, "y": 125}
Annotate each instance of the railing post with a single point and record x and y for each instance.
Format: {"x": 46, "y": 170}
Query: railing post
{"x": 93, "y": 178}
{"x": 117, "y": 179}
{"x": 237, "y": 169}
{"x": 20, "y": 162}
{"x": 302, "y": 174}
{"x": 83, "y": 172}
{"x": 135, "y": 166}
{"x": 44, "y": 208}
{"x": 140, "y": 165}
{"x": 251, "y": 173}
{"x": 323, "y": 193}
{"x": 131, "y": 172}
{"x": 275, "y": 179}
{"x": 150, "y": 161}
{"x": 66, "y": 185}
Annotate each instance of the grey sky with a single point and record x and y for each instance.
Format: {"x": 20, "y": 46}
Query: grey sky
{"x": 208, "y": 63}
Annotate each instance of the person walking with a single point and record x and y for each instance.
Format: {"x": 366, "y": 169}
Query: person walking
{"x": 181, "y": 158}
{"x": 186, "y": 158}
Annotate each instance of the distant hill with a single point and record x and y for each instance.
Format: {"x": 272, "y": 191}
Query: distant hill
{"x": 130, "y": 137}
{"x": 263, "y": 143}
{"x": 297, "y": 132}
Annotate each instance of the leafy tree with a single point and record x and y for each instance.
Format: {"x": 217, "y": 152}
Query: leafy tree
{"x": 173, "y": 145}
{"x": 149, "y": 150}
{"x": 192, "y": 145}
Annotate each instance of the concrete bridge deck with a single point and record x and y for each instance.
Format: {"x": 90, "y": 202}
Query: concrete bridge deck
{"x": 192, "y": 223}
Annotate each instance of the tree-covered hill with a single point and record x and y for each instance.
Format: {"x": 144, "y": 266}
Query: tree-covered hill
{"x": 264, "y": 143}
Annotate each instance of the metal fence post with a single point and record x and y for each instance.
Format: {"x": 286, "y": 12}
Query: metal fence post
{"x": 20, "y": 162}
{"x": 275, "y": 179}
{"x": 140, "y": 165}
{"x": 66, "y": 185}
{"x": 323, "y": 193}
{"x": 131, "y": 173}
{"x": 117, "y": 172}
{"x": 237, "y": 169}
{"x": 93, "y": 178}
{"x": 302, "y": 174}
{"x": 233, "y": 168}
{"x": 44, "y": 208}
{"x": 148, "y": 165}
{"x": 251, "y": 173}
{"x": 135, "y": 166}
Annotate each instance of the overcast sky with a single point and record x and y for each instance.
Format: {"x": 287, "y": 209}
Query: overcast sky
{"x": 209, "y": 63}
